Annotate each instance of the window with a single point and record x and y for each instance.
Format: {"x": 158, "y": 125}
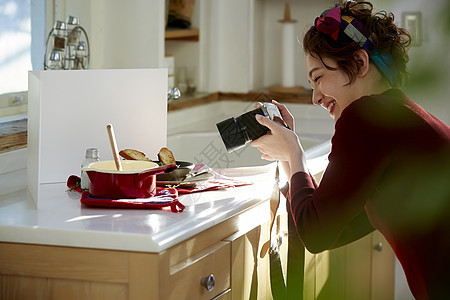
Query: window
{"x": 15, "y": 45}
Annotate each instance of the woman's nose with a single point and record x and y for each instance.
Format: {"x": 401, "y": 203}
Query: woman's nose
{"x": 317, "y": 97}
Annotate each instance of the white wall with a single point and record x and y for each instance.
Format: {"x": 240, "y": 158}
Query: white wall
{"x": 122, "y": 34}
{"x": 428, "y": 66}
{"x": 430, "y": 62}
{"x": 304, "y": 12}
{"x": 240, "y": 42}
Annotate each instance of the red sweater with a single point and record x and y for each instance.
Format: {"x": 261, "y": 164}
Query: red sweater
{"x": 389, "y": 169}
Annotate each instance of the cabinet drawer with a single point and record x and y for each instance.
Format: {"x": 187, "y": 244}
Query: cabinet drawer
{"x": 213, "y": 264}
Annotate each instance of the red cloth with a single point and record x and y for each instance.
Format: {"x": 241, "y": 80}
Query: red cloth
{"x": 389, "y": 170}
{"x": 165, "y": 198}
{"x": 213, "y": 184}
{"x": 217, "y": 182}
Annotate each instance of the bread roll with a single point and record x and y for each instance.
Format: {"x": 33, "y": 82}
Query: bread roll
{"x": 166, "y": 156}
{"x": 132, "y": 154}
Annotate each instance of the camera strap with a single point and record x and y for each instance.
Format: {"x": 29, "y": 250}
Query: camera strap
{"x": 289, "y": 287}
{"x": 277, "y": 280}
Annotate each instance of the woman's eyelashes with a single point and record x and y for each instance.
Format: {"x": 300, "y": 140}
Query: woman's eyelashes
{"x": 314, "y": 81}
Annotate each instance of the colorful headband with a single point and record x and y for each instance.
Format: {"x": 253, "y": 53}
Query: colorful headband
{"x": 331, "y": 23}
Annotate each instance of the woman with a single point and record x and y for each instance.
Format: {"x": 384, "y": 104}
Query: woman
{"x": 389, "y": 164}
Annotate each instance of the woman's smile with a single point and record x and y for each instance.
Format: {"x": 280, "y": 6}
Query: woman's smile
{"x": 331, "y": 88}
{"x": 330, "y": 106}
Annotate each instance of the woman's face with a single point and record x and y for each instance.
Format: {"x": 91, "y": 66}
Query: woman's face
{"x": 330, "y": 89}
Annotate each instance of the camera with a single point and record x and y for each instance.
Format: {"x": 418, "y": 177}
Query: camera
{"x": 237, "y": 132}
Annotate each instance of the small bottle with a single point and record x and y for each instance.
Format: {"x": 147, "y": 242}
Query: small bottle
{"x": 91, "y": 156}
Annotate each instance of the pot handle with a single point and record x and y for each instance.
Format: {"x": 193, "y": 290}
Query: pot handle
{"x": 144, "y": 175}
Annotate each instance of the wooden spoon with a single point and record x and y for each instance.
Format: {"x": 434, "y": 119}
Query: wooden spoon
{"x": 112, "y": 140}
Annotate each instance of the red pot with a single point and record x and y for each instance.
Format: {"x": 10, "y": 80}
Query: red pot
{"x": 136, "y": 180}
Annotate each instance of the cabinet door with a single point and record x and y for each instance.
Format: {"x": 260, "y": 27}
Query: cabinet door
{"x": 250, "y": 271}
{"x": 383, "y": 268}
{"x": 54, "y": 272}
{"x": 361, "y": 270}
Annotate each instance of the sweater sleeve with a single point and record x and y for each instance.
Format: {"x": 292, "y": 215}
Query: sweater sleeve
{"x": 333, "y": 214}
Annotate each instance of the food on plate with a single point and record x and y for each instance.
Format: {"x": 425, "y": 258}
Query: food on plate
{"x": 166, "y": 157}
{"x": 132, "y": 154}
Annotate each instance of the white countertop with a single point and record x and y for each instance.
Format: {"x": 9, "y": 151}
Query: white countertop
{"x": 64, "y": 221}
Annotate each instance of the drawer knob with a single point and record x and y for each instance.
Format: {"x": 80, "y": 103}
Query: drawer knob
{"x": 208, "y": 282}
{"x": 378, "y": 247}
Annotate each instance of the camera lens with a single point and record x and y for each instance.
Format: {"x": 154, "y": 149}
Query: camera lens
{"x": 236, "y": 132}
{"x": 250, "y": 127}
{"x": 231, "y": 134}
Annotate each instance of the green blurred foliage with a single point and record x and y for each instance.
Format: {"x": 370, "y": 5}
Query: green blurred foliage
{"x": 429, "y": 65}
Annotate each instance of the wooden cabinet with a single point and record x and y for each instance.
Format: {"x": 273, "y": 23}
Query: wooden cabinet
{"x": 362, "y": 270}
{"x": 202, "y": 276}
{"x": 358, "y": 271}
{"x": 226, "y": 254}
{"x": 250, "y": 277}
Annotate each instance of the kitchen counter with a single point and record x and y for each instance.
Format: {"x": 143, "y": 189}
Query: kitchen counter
{"x": 67, "y": 250}
{"x": 63, "y": 221}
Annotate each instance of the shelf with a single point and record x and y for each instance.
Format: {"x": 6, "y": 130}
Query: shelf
{"x": 182, "y": 34}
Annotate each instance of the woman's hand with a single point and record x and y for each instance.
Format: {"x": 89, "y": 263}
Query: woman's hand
{"x": 285, "y": 114}
{"x": 280, "y": 144}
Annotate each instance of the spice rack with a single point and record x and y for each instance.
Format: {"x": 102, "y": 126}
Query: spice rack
{"x": 67, "y": 46}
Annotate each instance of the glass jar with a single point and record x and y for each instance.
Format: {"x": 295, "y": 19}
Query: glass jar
{"x": 81, "y": 57}
{"x": 59, "y": 35}
{"x": 91, "y": 156}
{"x": 73, "y": 34}
{"x": 56, "y": 60}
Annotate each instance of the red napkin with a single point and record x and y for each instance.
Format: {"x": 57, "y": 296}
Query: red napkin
{"x": 165, "y": 198}
{"x": 213, "y": 184}
{"x": 217, "y": 182}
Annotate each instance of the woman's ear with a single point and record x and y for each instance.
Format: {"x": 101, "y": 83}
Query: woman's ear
{"x": 362, "y": 59}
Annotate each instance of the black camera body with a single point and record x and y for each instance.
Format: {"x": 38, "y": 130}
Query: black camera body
{"x": 237, "y": 132}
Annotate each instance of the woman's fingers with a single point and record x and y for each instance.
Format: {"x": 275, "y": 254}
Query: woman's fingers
{"x": 287, "y": 116}
{"x": 266, "y": 157}
{"x": 266, "y": 122}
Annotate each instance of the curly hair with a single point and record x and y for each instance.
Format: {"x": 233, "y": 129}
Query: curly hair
{"x": 387, "y": 38}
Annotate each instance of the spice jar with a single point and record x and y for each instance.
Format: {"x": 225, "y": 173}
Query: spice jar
{"x": 80, "y": 57}
{"x": 59, "y": 35}
{"x": 73, "y": 34}
{"x": 56, "y": 61}
{"x": 91, "y": 156}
